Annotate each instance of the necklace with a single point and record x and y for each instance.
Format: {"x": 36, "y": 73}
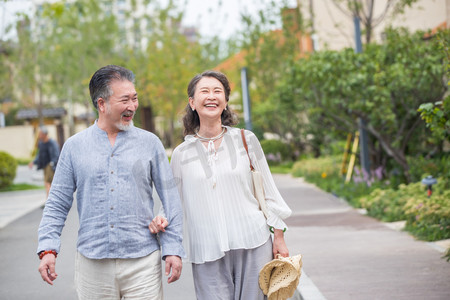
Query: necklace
{"x": 215, "y": 138}
{"x": 212, "y": 152}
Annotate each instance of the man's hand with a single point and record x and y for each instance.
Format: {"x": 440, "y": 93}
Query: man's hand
{"x": 47, "y": 268}
{"x": 279, "y": 245}
{"x": 174, "y": 264}
{"x": 158, "y": 224}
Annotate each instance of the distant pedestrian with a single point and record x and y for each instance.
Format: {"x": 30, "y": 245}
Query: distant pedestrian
{"x": 47, "y": 157}
{"x": 227, "y": 236}
{"x": 113, "y": 166}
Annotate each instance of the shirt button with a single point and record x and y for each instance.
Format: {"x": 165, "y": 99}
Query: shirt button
{"x": 112, "y": 226}
{"x": 112, "y": 207}
{"x": 112, "y": 172}
{"x": 112, "y": 190}
{"x": 112, "y": 154}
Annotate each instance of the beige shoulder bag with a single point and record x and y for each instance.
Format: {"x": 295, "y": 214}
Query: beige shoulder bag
{"x": 258, "y": 186}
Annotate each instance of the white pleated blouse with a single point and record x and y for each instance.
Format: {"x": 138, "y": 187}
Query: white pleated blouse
{"x": 220, "y": 211}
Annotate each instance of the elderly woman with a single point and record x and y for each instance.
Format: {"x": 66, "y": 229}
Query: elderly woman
{"x": 226, "y": 235}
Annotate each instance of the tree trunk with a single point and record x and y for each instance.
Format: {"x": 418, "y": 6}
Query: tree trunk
{"x": 60, "y": 134}
{"x": 396, "y": 154}
{"x": 148, "y": 123}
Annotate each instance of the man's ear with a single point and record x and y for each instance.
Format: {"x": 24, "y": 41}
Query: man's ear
{"x": 101, "y": 104}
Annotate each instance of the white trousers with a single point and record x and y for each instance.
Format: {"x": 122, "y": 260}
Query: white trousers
{"x": 115, "y": 279}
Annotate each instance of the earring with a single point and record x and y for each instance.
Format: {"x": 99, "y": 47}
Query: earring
{"x": 193, "y": 109}
{"x": 225, "y": 108}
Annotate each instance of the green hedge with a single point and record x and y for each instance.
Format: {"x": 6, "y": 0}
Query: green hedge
{"x": 276, "y": 151}
{"x": 8, "y": 167}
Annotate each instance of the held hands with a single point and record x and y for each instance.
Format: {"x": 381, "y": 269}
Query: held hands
{"x": 173, "y": 263}
{"x": 279, "y": 245}
{"x": 47, "y": 268}
{"x": 158, "y": 224}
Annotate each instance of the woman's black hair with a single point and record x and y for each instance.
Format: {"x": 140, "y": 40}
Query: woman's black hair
{"x": 191, "y": 120}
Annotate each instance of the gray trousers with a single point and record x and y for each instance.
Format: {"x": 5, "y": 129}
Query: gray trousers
{"x": 234, "y": 276}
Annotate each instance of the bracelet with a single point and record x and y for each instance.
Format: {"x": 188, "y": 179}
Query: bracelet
{"x": 43, "y": 253}
{"x": 271, "y": 229}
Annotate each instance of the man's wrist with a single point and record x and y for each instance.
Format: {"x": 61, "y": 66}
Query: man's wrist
{"x": 41, "y": 254}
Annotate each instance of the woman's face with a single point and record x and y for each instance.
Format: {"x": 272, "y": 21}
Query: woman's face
{"x": 209, "y": 98}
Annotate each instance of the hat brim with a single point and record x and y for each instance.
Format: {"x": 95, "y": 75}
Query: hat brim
{"x": 279, "y": 278}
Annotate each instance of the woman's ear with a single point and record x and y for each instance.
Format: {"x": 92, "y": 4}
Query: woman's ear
{"x": 191, "y": 103}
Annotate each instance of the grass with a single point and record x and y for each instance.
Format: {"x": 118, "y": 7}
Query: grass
{"x": 284, "y": 168}
{"x": 20, "y": 187}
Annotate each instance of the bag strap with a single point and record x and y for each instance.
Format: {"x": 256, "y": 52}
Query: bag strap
{"x": 246, "y": 149}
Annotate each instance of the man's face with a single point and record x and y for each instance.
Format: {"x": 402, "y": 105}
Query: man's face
{"x": 41, "y": 136}
{"x": 122, "y": 105}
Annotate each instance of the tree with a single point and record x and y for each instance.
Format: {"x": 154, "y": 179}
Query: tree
{"x": 79, "y": 38}
{"x": 383, "y": 85}
{"x": 57, "y": 50}
{"x": 269, "y": 55}
{"x": 25, "y": 65}
{"x": 164, "y": 68}
{"x": 62, "y": 44}
{"x": 5, "y": 75}
{"x": 364, "y": 10}
{"x": 437, "y": 115}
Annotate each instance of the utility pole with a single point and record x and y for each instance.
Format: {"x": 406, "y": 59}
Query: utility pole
{"x": 314, "y": 37}
{"x": 246, "y": 99}
{"x": 363, "y": 139}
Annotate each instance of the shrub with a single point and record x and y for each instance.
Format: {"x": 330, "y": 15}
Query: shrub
{"x": 324, "y": 173}
{"x": 428, "y": 218}
{"x": 8, "y": 167}
{"x": 420, "y": 167}
{"x": 317, "y": 167}
{"x": 276, "y": 151}
{"x": 387, "y": 204}
{"x": 447, "y": 255}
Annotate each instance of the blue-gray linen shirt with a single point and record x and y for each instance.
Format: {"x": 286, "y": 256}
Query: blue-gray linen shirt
{"x": 113, "y": 187}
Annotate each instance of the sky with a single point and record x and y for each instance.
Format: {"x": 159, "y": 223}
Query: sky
{"x": 214, "y": 19}
{"x": 8, "y": 12}
{"x": 211, "y": 17}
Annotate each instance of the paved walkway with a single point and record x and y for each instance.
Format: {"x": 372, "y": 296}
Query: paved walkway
{"x": 14, "y": 205}
{"x": 346, "y": 255}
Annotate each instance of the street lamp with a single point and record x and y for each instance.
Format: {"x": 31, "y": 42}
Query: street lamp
{"x": 429, "y": 181}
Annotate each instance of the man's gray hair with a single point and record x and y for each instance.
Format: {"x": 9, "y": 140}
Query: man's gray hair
{"x": 43, "y": 129}
{"x": 99, "y": 86}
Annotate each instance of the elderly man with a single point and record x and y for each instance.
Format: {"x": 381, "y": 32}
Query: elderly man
{"x": 47, "y": 157}
{"x": 113, "y": 167}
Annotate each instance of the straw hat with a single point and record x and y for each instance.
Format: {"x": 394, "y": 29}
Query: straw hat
{"x": 279, "y": 278}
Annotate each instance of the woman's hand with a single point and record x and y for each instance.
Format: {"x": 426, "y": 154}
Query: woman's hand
{"x": 158, "y": 224}
{"x": 279, "y": 245}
